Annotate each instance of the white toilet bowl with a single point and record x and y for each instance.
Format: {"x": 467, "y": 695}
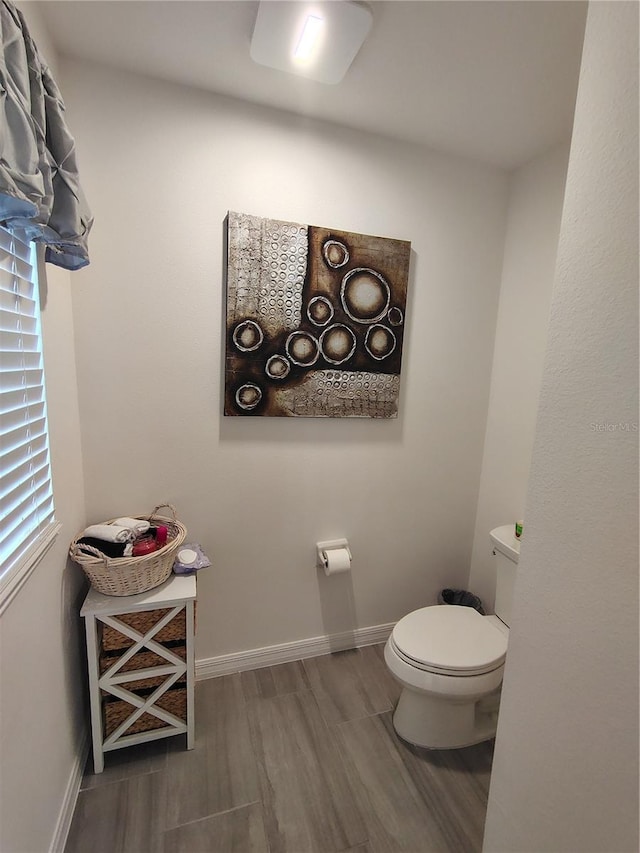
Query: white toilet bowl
{"x": 449, "y": 661}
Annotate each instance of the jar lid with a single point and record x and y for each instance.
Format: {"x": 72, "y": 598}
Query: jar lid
{"x": 187, "y": 556}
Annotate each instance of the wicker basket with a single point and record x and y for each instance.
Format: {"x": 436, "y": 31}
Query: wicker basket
{"x": 131, "y": 575}
{"x": 115, "y": 713}
{"x": 141, "y": 660}
{"x": 142, "y": 621}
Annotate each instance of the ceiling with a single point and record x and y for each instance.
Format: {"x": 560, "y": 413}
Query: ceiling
{"x": 494, "y": 81}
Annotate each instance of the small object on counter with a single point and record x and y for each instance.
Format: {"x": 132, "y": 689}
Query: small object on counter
{"x": 145, "y": 545}
{"x": 519, "y": 526}
{"x": 187, "y": 556}
{"x": 189, "y": 559}
{"x": 111, "y": 549}
{"x": 138, "y": 525}
{"x": 110, "y": 532}
{"x": 161, "y": 535}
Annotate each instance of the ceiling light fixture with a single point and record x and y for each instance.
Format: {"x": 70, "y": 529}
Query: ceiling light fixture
{"x": 317, "y": 39}
{"x": 310, "y": 39}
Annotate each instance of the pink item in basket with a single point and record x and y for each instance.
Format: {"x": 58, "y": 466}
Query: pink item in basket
{"x": 146, "y": 545}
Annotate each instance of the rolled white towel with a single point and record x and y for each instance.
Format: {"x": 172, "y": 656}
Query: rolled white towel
{"x": 110, "y": 532}
{"x": 139, "y": 527}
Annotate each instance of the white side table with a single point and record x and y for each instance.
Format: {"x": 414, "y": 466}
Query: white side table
{"x": 140, "y": 652}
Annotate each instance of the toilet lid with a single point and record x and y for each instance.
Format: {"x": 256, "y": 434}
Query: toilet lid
{"x": 450, "y": 640}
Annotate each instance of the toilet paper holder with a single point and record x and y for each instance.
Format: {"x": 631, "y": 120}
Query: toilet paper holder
{"x": 331, "y": 545}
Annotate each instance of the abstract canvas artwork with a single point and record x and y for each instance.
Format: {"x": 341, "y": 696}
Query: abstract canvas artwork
{"x": 315, "y": 320}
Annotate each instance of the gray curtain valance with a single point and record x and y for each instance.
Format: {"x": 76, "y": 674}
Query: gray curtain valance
{"x": 39, "y": 186}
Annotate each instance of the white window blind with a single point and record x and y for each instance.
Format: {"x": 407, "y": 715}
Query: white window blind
{"x": 25, "y": 479}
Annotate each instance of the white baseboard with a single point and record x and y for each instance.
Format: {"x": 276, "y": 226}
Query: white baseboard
{"x": 287, "y": 652}
{"x": 63, "y": 824}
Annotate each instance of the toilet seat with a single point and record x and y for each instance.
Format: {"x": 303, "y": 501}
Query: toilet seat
{"x": 449, "y": 640}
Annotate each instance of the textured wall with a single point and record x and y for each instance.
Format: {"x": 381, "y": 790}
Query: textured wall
{"x": 565, "y": 774}
{"x": 163, "y": 165}
{"x": 536, "y": 192}
{"x": 42, "y": 696}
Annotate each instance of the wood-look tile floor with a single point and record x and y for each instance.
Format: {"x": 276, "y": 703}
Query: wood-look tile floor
{"x": 297, "y": 758}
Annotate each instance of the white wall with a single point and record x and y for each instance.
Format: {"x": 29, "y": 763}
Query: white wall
{"x": 42, "y": 720}
{"x": 536, "y": 192}
{"x": 565, "y": 774}
{"x": 161, "y": 166}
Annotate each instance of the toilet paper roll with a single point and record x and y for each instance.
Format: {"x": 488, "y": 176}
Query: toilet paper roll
{"x": 336, "y": 560}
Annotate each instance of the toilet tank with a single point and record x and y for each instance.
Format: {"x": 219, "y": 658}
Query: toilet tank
{"x": 506, "y": 549}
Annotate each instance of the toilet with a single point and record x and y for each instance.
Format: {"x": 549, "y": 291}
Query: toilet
{"x": 450, "y": 662}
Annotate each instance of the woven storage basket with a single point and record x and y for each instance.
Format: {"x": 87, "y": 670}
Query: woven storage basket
{"x": 143, "y": 621}
{"x": 131, "y": 575}
{"x": 144, "y": 686}
{"x": 174, "y": 701}
{"x": 141, "y": 660}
